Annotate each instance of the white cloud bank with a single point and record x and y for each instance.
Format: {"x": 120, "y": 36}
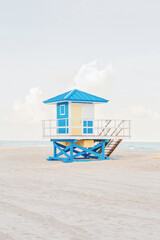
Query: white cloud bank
{"x": 25, "y": 120}
{"x": 140, "y": 112}
{"x": 31, "y": 109}
{"x": 94, "y": 77}
{"x": 91, "y": 77}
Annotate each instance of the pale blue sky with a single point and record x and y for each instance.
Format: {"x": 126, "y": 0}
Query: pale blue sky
{"x": 44, "y": 44}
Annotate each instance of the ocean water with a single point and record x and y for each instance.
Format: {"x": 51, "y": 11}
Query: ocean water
{"x": 140, "y": 145}
{"x": 25, "y": 143}
{"x": 126, "y": 145}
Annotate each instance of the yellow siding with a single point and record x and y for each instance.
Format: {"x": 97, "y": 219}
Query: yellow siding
{"x": 65, "y": 143}
{"x": 85, "y": 143}
{"x": 76, "y": 115}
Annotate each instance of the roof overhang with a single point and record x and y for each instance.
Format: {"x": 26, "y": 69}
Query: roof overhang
{"x": 76, "y": 96}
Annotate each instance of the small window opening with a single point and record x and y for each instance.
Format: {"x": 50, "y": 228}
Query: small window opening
{"x": 62, "y": 109}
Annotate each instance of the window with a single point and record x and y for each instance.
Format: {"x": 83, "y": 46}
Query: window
{"x": 62, "y": 126}
{"x": 62, "y": 109}
{"x": 88, "y": 127}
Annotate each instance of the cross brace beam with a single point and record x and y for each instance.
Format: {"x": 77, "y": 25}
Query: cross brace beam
{"x": 76, "y": 152}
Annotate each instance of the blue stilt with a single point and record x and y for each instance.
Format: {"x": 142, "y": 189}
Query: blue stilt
{"x": 54, "y": 150}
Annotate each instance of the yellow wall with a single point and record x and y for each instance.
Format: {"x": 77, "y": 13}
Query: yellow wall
{"x": 76, "y": 115}
{"x": 83, "y": 143}
{"x": 65, "y": 143}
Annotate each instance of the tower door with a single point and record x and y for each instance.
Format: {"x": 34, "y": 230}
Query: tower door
{"x": 76, "y": 114}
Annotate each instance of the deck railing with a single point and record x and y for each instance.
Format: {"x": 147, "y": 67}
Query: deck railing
{"x": 86, "y": 127}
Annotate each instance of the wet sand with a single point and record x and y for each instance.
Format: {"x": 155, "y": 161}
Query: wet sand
{"x": 117, "y": 199}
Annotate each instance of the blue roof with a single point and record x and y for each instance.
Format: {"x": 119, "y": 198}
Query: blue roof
{"x": 76, "y": 96}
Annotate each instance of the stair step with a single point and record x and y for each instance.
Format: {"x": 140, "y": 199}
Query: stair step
{"x": 111, "y": 146}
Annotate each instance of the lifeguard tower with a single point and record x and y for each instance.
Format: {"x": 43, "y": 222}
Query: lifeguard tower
{"x": 75, "y": 132}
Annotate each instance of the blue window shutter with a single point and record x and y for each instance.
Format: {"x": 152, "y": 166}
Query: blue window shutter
{"x": 84, "y": 130}
{"x": 90, "y": 123}
{"x": 90, "y": 130}
{"x": 84, "y": 123}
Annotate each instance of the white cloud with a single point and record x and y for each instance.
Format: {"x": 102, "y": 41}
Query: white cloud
{"x": 94, "y": 77}
{"x": 24, "y": 121}
{"x": 140, "y": 112}
{"x": 31, "y": 109}
{"x": 137, "y": 113}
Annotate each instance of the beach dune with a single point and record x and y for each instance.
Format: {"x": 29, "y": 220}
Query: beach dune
{"x": 116, "y": 199}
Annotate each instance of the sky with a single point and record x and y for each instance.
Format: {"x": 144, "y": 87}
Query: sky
{"x": 110, "y": 48}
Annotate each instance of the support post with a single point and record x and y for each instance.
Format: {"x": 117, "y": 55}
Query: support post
{"x": 71, "y": 151}
{"x": 103, "y": 149}
{"x": 55, "y": 150}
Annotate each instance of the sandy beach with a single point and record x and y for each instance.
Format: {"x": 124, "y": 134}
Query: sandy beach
{"x": 117, "y": 199}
